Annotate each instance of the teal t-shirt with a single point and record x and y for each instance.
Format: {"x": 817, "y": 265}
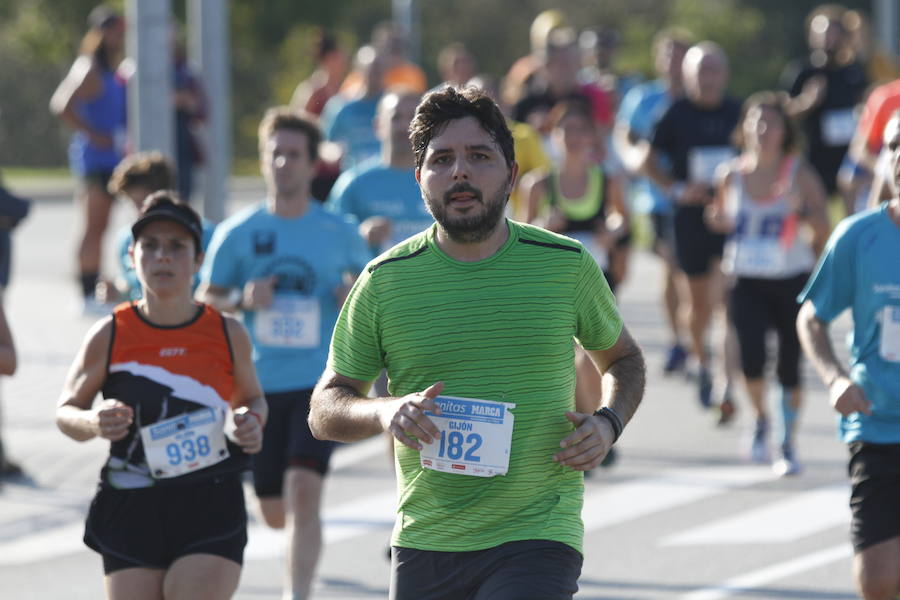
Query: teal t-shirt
{"x": 500, "y": 329}
{"x": 858, "y": 270}
{"x": 377, "y": 190}
{"x": 351, "y": 125}
{"x": 309, "y": 256}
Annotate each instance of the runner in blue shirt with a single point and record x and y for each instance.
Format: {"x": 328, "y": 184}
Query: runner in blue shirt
{"x": 382, "y": 193}
{"x": 350, "y": 122}
{"x": 136, "y": 177}
{"x": 641, "y": 109}
{"x": 91, "y": 100}
{"x": 858, "y": 270}
{"x": 287, "y": 264}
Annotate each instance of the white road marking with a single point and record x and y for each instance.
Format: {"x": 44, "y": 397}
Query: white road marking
{"x": 774, "y": 523}
{"x": 351, "y": 454}
{"x": 370, "y": 513}
{"x": 675, "y": 487}
{"x": 750, "y": 581}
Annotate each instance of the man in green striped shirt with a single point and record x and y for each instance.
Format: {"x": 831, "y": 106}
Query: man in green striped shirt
{"x": 475, "y": 320}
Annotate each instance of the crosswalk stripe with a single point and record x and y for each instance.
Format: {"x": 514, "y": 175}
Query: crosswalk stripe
{"x": 604, "y": 507}
{"x": 43, "y": 545}
{"x": 774, "y": 523}
{"x": 616, "y": 504}
{"x": 750, "y": 581}
{"x": 369, "y": 514}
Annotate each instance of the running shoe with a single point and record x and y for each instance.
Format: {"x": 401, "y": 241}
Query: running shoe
{"x": 704, "y": 387}
{"x": 759, "y": 444}
{"x": 725, "y": 410}
{"x": 675, "y": 360}
{"x": 10, "y": 470}
{"x": 787, "y": 465}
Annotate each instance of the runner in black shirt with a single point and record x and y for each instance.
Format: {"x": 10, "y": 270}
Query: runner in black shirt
{"x": 694, "y": 135}
{"x": 824, "y": 89}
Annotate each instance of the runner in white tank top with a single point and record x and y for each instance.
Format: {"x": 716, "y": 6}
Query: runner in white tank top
{"x": 768, "y": 200}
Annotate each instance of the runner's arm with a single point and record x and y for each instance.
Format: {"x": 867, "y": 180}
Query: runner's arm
{"x": 618, "y": 219}
{"x": 715, "y": 216}
{"x": 534, "y": 186}
{"x": 622, "y": 366}
{"x": 845, "y": 395}
{"x": 247, "y": 389}
{"x": 341, "y": 411}
{"x": 221, "y": 298}
{"x": 624, "y": 375}
{"x": 81, "y": 82}
{"x": 633, "y": 149}
{"x": 256, "y": 293}
{"x": 650, "y": 166}
{"x": 75, "y": 416}
{"x": 815, "y": 211}
{"x": 252, "y": 413}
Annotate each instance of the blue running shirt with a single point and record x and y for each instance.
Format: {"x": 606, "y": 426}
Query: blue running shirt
{"x": 858, "y": 270}
{"x": 309, "y": 256}
{"x": 374, "y": 189}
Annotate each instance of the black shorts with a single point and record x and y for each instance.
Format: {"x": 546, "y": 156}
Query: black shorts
{"x": 875, "y": 497}
{"x": 287, "y": 442}
{"x": 98, "y": 178}
{"x": 153, "y": 527}
{"x": 524, "y": 570}
{"x": 695, "y": 245}
{"x": 663, "y": 229}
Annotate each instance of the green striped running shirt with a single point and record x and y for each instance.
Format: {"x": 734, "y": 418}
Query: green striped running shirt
{"x": 499, "y": 329}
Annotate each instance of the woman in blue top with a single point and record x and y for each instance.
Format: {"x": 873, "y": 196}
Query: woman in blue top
{"x": 91, "y": 100}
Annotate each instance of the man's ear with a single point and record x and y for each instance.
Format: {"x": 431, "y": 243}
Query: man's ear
{"x": 418, "y": 175}
{"x": 513, "y": 176}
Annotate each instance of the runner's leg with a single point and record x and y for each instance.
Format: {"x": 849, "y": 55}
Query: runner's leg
{"x": 201, "y": 577}
{"x": 135, "y": 584}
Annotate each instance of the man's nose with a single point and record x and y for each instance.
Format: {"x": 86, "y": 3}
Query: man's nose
{"x": 460, "y": 168}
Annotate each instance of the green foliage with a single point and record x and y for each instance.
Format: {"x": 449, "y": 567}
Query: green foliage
{"x": 271, "y": 41}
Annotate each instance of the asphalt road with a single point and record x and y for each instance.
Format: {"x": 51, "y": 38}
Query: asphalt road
{"x": 680, "y": 516}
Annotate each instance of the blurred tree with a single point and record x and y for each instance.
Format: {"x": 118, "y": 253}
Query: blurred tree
{"x": 271, "y": 44}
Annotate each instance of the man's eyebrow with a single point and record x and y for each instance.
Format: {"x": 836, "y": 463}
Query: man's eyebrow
{"x": 481, "y": 148}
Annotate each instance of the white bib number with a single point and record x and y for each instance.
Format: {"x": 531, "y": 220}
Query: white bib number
{"x": 289, "y": 323}
{"x": 703, "y": 161}
{"x": 759, "y": 257}
{"x": 185, "y": 443}
{"x": 838, "y": 126}
{"x": 890, "y": 333}
{"x": 476, "y": 437}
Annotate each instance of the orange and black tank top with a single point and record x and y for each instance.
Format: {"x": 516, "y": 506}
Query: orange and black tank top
{"x": 163, "y": 372}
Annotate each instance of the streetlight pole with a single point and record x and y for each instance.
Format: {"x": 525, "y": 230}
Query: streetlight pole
{"x": 210, "y": 50}
{"x": 151, "y": 117}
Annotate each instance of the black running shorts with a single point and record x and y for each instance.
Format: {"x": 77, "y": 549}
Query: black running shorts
{"x": 695, "y": 245}
{"x": 154, "y": 527}
{"x": 523, "y": 570}
{"x": 287, "y": 442}
{"x": 875, "y": 479}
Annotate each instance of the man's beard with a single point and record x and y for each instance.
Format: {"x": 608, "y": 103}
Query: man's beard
{"x": 466, "y": 228}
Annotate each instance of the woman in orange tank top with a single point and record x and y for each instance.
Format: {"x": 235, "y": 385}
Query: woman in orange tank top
{"x": 182, "y": 410}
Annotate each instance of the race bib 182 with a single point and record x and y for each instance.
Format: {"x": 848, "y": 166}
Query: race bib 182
{"x": 476, "y": 436}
